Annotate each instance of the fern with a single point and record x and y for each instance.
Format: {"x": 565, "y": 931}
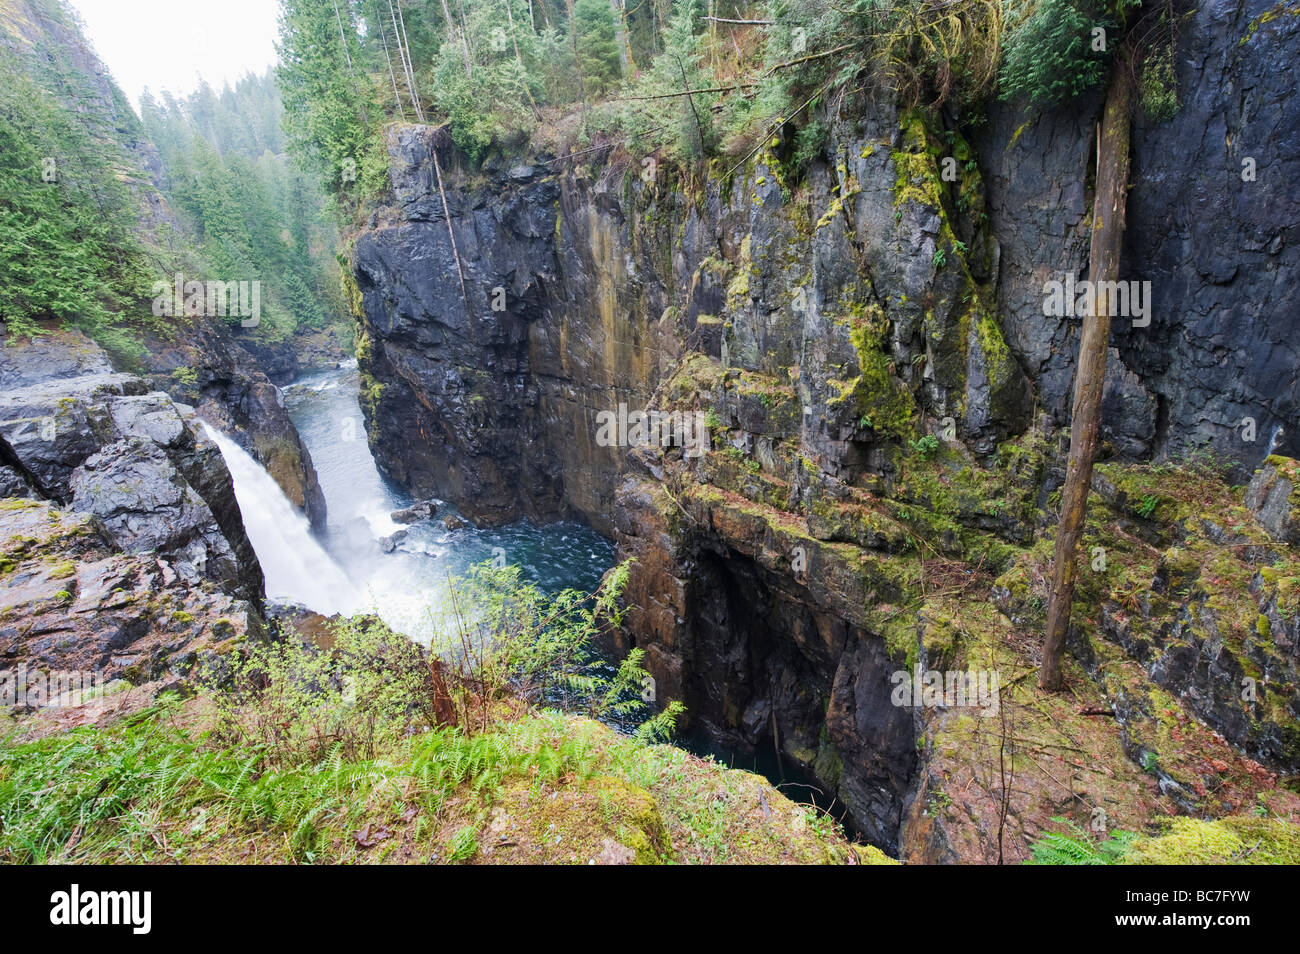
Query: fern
{"x": 1077, "y": 847}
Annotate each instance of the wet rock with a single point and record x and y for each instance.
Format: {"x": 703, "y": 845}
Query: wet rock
{"x": 389, "y": 543}
{"x": 102, "y": 444}
{"x": 1272, "y": 496}
{"x": 231, "y": 392}
{"x": 72, "y": 601}
{"x": 415, "y": 513}
{"x": 55, "y": 356}
{"x": 453, "y": 523}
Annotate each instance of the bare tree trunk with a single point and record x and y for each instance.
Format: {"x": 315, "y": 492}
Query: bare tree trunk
{"x": 347, "y": 55}
{"x": 383, "y": 37}
{"x": 1103, "y": 266}
{"x": 451, "y": 35}
{"x": 408, "y": 71}
{"x": 621, "y": 38}
{"x": 464, "y": 32}
{"x": 519, "y": 59}
{"x": 342, "y": 37}
{"x": 410, "y": 65}
{"x": 713, "y": 40}
{"x": 446, "y": 212}
{"x": 577, "y": 58}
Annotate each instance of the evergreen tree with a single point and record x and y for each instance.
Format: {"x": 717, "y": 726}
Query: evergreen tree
{"x": 597, "y": 44}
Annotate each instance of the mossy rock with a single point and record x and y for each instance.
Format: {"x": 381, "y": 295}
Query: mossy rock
{"x": 601, "y": 820}
{"x": 871, "y": 855}
{"x": 1236, "y": 840}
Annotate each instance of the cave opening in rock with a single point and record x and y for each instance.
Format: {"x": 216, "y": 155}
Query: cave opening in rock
{"x": 776, "y": 684}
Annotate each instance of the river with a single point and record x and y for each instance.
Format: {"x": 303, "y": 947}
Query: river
{"x": 347, "y": 571}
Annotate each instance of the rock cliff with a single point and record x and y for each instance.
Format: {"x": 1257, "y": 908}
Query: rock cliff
{"x": 124, "y": 550}
{"x": 884, "y": 393}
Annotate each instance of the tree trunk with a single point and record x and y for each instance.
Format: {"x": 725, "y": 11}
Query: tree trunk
{"x": 451, "y": 35}
{"x": 397, "y": 97}
{"x": 1103, "y": 266}
{"x": 621, "y": 38}
{"x": 347, "y": 55}
{"x": 408, "y": 69}
{"x": 451, "y": 234}
{"x": 519, "y": 59}
{"x": 577, "y": 57}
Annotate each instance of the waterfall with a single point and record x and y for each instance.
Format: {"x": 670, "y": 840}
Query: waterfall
{"x": 296, "y": 566}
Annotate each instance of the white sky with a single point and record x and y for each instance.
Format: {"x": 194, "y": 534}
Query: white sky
{"x": 170, "y": 44}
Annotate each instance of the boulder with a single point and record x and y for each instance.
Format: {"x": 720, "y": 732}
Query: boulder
{"x": 422, "y": 510}
{"x": 1272, "y": 496}
{"x": 389, "y": 543}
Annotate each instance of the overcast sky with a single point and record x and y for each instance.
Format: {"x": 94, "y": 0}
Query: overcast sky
{"x": 170, "y": 44}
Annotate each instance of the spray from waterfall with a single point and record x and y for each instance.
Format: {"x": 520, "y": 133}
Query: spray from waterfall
{"x": 296, "y": 566}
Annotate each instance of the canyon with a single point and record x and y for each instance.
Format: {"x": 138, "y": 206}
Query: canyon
{"x": 867, "y": 361}
{"x": 825, "y": 327}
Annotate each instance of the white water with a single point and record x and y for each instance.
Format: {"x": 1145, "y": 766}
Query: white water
{"x": 296, "y": 567}
{"x": 346, "y": 572}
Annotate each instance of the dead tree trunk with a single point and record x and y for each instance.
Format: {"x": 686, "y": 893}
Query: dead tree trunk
{"x": 1103, "y": 266}
{"x": 397, "y": 98}
{"x": 446, "y": 212}
{"x": 451, "y": 35}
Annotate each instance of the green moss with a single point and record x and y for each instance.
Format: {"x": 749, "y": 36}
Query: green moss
{"x": 1000, "y": 366}
{"x": 18, "y": 503}
{"x": 916, "y": 174}
{"x": 880, "y": 397}
{"x": 1236, "y": 840}
{"x": 738, "y": 288}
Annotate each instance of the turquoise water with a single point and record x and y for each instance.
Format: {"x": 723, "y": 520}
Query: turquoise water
{"x": 401, "y": 585}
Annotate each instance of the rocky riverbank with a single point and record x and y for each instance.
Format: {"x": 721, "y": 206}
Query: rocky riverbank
{"x": 124, "y": 552}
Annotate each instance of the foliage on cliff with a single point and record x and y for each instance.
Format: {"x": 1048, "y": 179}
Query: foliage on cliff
{"x": 681, "y": 79}
{"x": 68, "y": 220}
{"x": 90, "y": 220}
{"x": 253, "y": 214}
{"x": 348, "y": 754}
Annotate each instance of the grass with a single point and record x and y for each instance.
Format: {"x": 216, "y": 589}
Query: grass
{"x": 158, "y": 787}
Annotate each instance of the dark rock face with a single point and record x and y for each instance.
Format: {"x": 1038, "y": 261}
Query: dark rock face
{"x": 1271, "y": 495}
{"x": 825, "y": 328}
{"x": 100, "y": 443}
{"x": 1221, "y": 253}
{"x": 124, "y": 551}
{"x": 231, "y": 392}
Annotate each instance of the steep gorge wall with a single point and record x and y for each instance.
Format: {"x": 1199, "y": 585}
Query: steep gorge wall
{"x": 823, "y": 325}
{"x": 229, "y": 385}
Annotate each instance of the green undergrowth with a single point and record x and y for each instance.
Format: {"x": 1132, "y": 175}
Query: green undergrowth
{"x": 159, "y": 787}
{"x": 1239, "y": 840}
{"x": 363, "y": 746}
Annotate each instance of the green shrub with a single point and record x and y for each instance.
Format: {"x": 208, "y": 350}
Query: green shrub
{"x": 1049, "y": 58}
{"x": 1159, "y": 88}
{"x": 1077, "y": 847}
